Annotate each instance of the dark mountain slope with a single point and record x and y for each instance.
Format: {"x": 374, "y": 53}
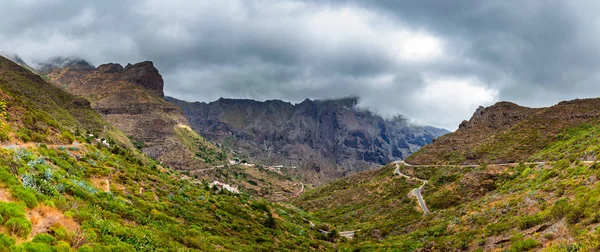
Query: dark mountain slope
{"x": 325, "y": 139}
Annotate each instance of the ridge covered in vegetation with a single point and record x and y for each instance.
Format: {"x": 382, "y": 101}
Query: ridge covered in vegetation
{"x": 548, "y": 202}
{"x": 69, "y": 181}
{"x": 552, "y": 207}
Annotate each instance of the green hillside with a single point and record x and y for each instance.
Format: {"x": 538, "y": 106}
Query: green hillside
{"x": 61, "y": 190}
{"x": 549, "y": 202}
{"x": 553, "y": 207}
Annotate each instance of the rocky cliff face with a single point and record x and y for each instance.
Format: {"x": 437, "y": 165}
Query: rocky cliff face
{"x": 145, "y": 75}
{"x": 131, "y": 98}
{"x": 499, "y": 116}
{"x": 325, "y": 139}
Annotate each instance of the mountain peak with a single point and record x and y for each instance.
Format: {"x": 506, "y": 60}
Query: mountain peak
{"x": 146, "y": 75}
{"x": 498, "y": 115}
{"x": 64, "y": 62}
{"x": 110, "y": 68}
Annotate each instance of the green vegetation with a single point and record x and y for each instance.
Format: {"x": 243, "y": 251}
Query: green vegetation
{"x": 94, "y": 197}
{"x": 516, "y": 208}
{"x": 509, "y": 133}
{"x": 138, "y": 144}
{"x": 204, "y": 150}
{"x": 579, "y": 143}
{"x": 147, "y": 208}
{"x": 25, "y": 195}
{"x": 18, "y": 226}
{"x": 350, "y": 202}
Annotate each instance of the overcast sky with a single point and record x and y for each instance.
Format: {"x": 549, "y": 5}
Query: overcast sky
{"x": 434, "y": 61}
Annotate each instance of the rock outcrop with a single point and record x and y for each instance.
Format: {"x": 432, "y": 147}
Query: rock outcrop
{"x": 145, "y": 75}
{"x": 499, "y": 116}
{"x": 131, "y": 98}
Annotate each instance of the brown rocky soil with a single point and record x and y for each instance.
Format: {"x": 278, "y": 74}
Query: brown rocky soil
{"x": 131, "y": 98}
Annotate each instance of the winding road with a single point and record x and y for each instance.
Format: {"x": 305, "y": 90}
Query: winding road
{"x": 301, "y": 190}
{"x": 417, "y": 191}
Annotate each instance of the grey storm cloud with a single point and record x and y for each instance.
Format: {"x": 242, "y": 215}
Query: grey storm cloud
{"x": 432, "y": 61}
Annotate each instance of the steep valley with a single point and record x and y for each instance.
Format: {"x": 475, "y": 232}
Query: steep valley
{"x": 120, "y": 169}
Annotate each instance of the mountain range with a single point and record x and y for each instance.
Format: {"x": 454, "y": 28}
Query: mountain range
{"x": 97, "y": 159}
{"x": 325, "y": 139}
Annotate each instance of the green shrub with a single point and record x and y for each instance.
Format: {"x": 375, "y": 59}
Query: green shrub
{"x": 259, "y": 205}
{"x": 524, "y": 245}
{"x": 270, "y": 221}
{"x": 44, "y": 238}
{"x": 34, "y": 247}
{"x": 24, "y": 134}
{"x": 161, "y": 217}
{"x": 67, "y": 136}
{"x": 562, "y": 164}
{"x": 62, "y": 246}
{"x": 38, "y": 137}
{"x": 6, "y": 177}
{"x": 548, "y": 175}
{"x": 560, "y": 208}
{"x": 9, "y": 210}
{"x": 496, "y": 228}
{"x": 4, "y": 131}
{"x": 574, "y": 215}
{"x": 6, "y": 243}
{"x": 25, "y": 195}
{"x": 18, "y": 226}
{"x": 526, "y": 222}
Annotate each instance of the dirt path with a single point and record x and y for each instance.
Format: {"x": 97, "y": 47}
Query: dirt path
{"x": 503, "y": 164}
{"x": 347, "y": 234}
{"x": 301, "y": 189}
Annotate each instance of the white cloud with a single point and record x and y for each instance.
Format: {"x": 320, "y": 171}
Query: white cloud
{"x": 451, "y": 98}
{"x": 408, "y": 57}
